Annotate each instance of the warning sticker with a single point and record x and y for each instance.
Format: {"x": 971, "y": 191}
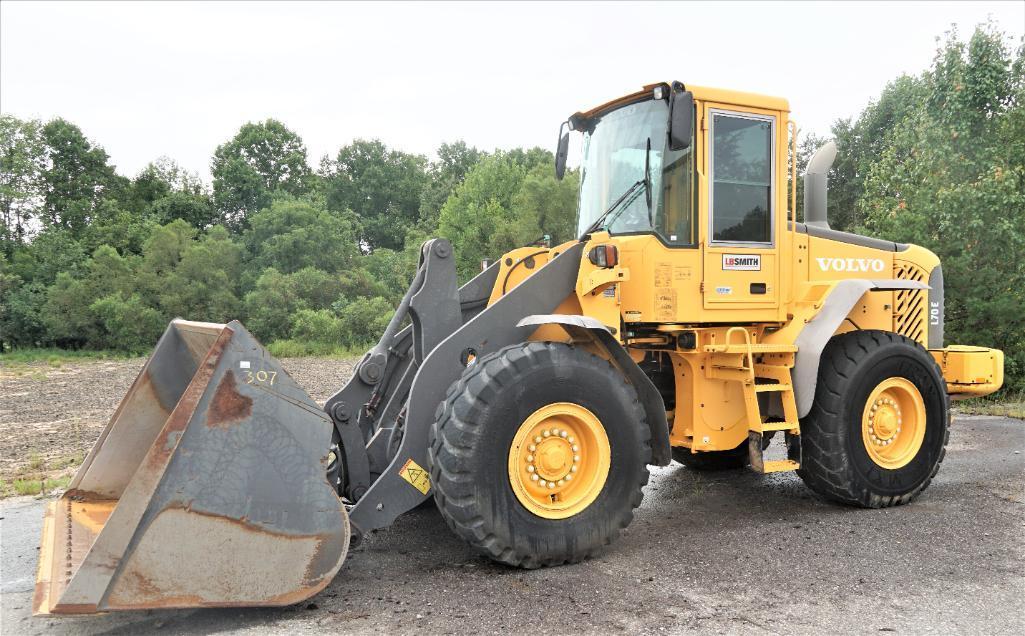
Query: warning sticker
{"x": 681, "y": 272}
{"x": 665, "y": 305}
{"x": 415, "y": 475}
{"x": 663, "y": 274}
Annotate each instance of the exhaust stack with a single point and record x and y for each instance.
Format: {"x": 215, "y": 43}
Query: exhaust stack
{"x": 816, "y": 181}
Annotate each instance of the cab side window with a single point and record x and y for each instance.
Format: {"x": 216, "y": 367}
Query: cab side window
{"x": 741, "y": 179}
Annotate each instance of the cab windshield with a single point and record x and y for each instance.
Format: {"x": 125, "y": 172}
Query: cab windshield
{"x": 614, "y": 155}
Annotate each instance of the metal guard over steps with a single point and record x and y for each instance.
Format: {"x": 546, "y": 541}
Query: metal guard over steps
{"x": 207, "y": 488}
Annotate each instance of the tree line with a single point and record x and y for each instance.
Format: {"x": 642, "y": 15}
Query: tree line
{"x": 317, "y": 257}
{"x": 93, "y": 259}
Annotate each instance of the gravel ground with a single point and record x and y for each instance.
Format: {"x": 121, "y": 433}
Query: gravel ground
{"x": 50, "y": 416}
{"x": 732, "y": 552}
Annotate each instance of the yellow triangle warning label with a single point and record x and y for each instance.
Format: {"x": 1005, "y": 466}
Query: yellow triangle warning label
{"x": 416, "y": 475}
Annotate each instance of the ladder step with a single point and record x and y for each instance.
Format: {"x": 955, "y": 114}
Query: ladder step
{"x": 762, "y": 388}
{"x": 766, "y": 427}
{"x": 779, "y": 466}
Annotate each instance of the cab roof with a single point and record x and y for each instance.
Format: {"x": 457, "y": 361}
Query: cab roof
{"x": 703, "y": 93}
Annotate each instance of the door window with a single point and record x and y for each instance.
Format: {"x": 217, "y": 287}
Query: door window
{"x": 741, "y": 179}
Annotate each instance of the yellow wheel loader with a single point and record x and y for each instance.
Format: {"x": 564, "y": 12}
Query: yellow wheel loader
{"x": 693, "y": 319}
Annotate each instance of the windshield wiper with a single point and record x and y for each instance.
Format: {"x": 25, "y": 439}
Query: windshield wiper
{"x": 628, "y": 196}
{"x": 632, "y": 190}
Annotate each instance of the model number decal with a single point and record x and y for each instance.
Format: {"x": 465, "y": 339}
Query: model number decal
{"x": 742, "y": 262}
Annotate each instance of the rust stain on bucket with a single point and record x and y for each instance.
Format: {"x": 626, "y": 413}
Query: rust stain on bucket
{"x": 228, "y": 406}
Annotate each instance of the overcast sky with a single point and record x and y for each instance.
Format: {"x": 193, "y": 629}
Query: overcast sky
{"x": 145, "y": 80}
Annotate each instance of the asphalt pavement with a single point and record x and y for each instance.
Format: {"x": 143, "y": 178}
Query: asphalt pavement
{"x": 728, "y": 552}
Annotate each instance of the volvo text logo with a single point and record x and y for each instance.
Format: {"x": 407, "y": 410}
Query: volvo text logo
{"x": 851, "y": 264}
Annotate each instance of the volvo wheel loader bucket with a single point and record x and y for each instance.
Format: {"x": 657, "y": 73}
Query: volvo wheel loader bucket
{"x": 207, "y": 488}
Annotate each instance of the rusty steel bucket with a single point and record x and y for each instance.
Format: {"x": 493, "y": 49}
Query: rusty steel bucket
{"x": 207, "y": 488}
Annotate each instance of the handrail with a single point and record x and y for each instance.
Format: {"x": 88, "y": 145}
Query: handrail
{"x": 747, "y": 343}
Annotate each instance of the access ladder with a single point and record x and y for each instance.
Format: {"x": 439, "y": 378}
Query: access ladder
{"x": 735, "y": 361}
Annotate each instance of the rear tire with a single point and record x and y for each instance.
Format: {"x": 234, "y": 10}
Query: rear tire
{"x": 844, "y": 458}
{"x": 477, "y": 441}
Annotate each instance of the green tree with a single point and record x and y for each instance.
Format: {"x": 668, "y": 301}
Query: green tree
{"x": 295, "y": 233}
{"x": 272, "y": 305}
{"x": 22, "y": 161}
{"x": 187, "y": 274}
{"x": 507, "y": 200}
{"x": 158, "y": 180}
{"x": 52, "y": 251}
{"x": 381, "y": 186}
{"x": 68, "y": 315}
{"x": 859, "y": 144}
{"x": 21, "y": 310}
{"x": 262, "y": 159}
{"x": 950, "y": 175}
{"x": 77, "y": 177}
{"x": 196, "y": 209}
{"x": 454, "y": 161}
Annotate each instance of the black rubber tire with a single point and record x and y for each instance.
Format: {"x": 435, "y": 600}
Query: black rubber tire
{"x": 473, "y": 431}
{"x": 732, "y": 459}
{"x": 834, "y": 462}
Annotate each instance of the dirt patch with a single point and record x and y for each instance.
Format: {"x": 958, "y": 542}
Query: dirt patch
{"x": 50, "y": 417}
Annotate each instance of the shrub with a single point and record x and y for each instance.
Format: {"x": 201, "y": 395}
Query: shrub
{"x": 364, "y": 320}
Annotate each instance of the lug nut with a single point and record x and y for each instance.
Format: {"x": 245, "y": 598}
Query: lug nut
{"x": 570, "y": 439}
{"x": 563, "y": 434}
{"x": 569, "y": 477}
{"x": 538, "y": 439}
{"x": 547, "y": 433}
{"x": 543, "y": 483}
{"x": 530, "y": 469}
{"x": 575, "y": 448}
{"x": 530, "y": 459}
{"x": 551, "y": 484}
{"x": 533, "y": 477}
{"x": 532, "y": 448}
{"x": 573, "y": 468}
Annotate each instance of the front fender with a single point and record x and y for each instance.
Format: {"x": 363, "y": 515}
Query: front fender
{"x": 584, "y": 327}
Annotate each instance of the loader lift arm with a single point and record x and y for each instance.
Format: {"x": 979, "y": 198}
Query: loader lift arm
{"x": 368, "y": 412}
{"x": 450, "y": 328}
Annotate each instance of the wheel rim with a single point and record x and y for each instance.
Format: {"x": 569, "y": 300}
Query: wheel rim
{"x": 559, "y": 460}
{"x": 893, "y": 423}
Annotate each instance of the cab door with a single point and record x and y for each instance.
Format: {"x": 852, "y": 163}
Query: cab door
{"x": 741, "y": 259}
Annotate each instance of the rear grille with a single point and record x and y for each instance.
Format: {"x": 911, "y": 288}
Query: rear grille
{"x": 909, "y": 310}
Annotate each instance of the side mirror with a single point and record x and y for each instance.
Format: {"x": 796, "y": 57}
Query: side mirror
{"x": 561, "y": 153}
{"x": 681, "y": 120}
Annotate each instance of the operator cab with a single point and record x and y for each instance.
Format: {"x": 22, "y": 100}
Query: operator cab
{"x": 692, "y": 181}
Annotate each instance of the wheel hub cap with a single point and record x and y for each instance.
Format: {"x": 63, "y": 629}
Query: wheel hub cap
{"x": 559, "y": 460}
{"x": 893, "y": 423}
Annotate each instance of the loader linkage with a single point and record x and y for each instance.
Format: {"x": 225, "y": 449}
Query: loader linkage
{"x": 382, "y": 415}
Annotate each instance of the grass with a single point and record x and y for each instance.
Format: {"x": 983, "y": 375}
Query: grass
{"x": 58, "y": 357}
{"x": 33, "y": 486}
{"x": 41, "y": 476}
{"x": 1005, "y": 404}
{"x": 301, "y": 349}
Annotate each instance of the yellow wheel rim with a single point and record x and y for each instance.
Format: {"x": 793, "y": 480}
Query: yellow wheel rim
{"x": 893, "y": 423}
{"x": 559, "y": 460}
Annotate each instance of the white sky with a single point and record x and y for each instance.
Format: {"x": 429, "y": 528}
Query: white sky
{"x": 145, "y": 80}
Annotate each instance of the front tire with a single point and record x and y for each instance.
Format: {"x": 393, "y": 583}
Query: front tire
{"x": 538, "y": 454}
{"x": 878, "y": 429}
